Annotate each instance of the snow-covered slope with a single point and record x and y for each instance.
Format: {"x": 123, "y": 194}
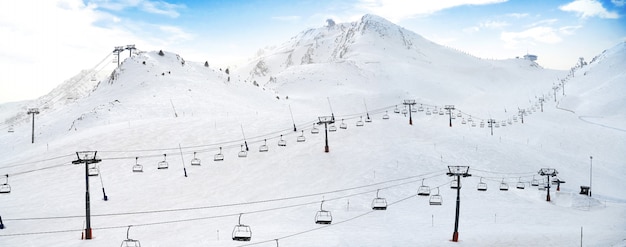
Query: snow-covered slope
{"x": 154, "y": 105}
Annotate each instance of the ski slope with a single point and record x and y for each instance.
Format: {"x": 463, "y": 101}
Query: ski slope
{"x": 154, "y": 105}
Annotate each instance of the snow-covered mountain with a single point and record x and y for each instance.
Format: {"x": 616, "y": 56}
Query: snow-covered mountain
{"x": 156, "y": 104}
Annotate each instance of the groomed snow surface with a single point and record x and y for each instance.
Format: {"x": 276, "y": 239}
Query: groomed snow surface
{"x": 167, "y": 107}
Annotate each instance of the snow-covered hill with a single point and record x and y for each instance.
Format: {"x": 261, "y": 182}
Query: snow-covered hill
{"x": 161, "y": 104}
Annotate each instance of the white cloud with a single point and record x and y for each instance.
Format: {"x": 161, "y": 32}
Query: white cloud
{"x": 589, "y": 8}
{"x": 518, "y": 15}
{"x": 154, "y": 7}
{"x": 618, "y": 3}
{"x": 545, "y": 35}
{"x": 569, "y": 30}
{"x": 397, "y": 10}
{"x": 494, "y": 24}
{"x": 542, "y": 23}
{"x": 286, "y": 18}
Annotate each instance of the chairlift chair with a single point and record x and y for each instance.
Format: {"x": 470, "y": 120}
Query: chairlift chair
{"x": 482, "y": 186}
{"x": 473, "y": 124}
{"x": 497, "y": 125}
{"x": 510, "y": 122}
{"x": 137, "y": 167}
{"x": 243, "y": 153}
{"x": 93, "y": 171}
{"x": 404, "y": 111}
{"x": 421, "y": 108}
{"x": 323, "y": 216}
{"x": 459, "y": 114}
{"x": 413, "y": 109}
{"x": 463, "y": 121}
{"x": 263, "y": 148}
{"x": 436, "y": 199}
{"x": 435, "y": 111}
{"x": 281, "y": 142}
{"x": 441, "y": 112}
{"x": 5, "y": 188}
{"x": 128, "y": 242}
{"x": 242, "y": 232}
{"x": 482, "y": 124}
{"x": 423, "y": 190}
{"x": 396, "y": 110}
{"x": 454, "y": 184}
{"x": 534, "y": 182}
{"x": 504, "y": 186}
{"x": 428, "y": 111}
{"x": 11, "y": 130}
{"x": 163, "y": 164}
{"x": 386, "y": 116}
{"x": 469, "y": 119}
{"x": 195, "y": 161}
{"x": 503, "y": 123}
{"x": 520, "y": 185}
{"x": 379, "y": 203}
{"x": 343, "y": 125}
{"x": 315, "y": 130}
{"x": 219, "y": 156}
{"x": 332, "y": 128}
{"x": 301, "y": 138}
{"x": 360, "y": 122}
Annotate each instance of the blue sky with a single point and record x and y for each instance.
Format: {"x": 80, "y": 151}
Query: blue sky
{"x": 47, "y": 41}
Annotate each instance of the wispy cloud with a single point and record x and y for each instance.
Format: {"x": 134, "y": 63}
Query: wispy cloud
{"x": 618, "y": 3}
{"x": 590, "y": 8}
{"x": 286, "y": 18}
{"x": 518, "y": 15}
{"x": 397, "y": 10}
{"x": 155, "y": 7}
{"x": 486, "y": 25}
{"x": 547, "y": 35}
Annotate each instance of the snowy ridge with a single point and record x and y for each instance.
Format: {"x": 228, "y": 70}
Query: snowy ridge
{"x": 155, "y": 105}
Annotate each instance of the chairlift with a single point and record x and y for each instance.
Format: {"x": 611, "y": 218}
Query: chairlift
{"x": 441, "y": 112}
{"x": 421, "y": 108}
{"x": 242, "y": 232}
{"x": 413, "y": 109}
{"x": 455, "y": 184}
{"x": 281, "y": 142}
{"x": 396, "y": 110}
{"x": 469, "y": 119}
{"x": 459, "y": 114}
{"x": 435, "y": 111}
{"x": 534, "y": 182}
{"x": 542, "y": 186}
{"x": 332, "y": 128}
{"x": 360, "y": 122}
{"x": 463, "y": 121}
{"x": 503, "y": 123}
{"x": 243, "y": 153}
{"x": 11, "y": 129}
{"x": 473, "y": 124}
{"x": 315, "y": 130}
{"x": 386, "y": 116}
{"x": 520, "y": 185}
{"x": 497, "y": 125}
{"x": 452, "y": 116}
{"x": 137, "y": 167}
{"x": 219, "y": 156}
{"x": 343, "y": 125}
{"x": 195, "y": 161}
{"x": 404, "y": 111}
{"x": 423, "y": 190}
{"x": 5, "y": 188}
{"x": 379, "y": 203}
{"x": 163, "y": 164}
{"x": 301, "y": 138}
{"x": 93, "y": 171}
{"x": 323, "y": 216}
{"x": 436, "y": 199}
{"x": 264, "y": 148}
{"x": 428, "y": 111}
{"x": 482, "y": 186}
{"x": 128, "y": 242}
{"x": 482, "y": 124}
{"x": 504, "y": 186}
{"x": 510, "y": 122}
{"x": 93, "y": 78}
